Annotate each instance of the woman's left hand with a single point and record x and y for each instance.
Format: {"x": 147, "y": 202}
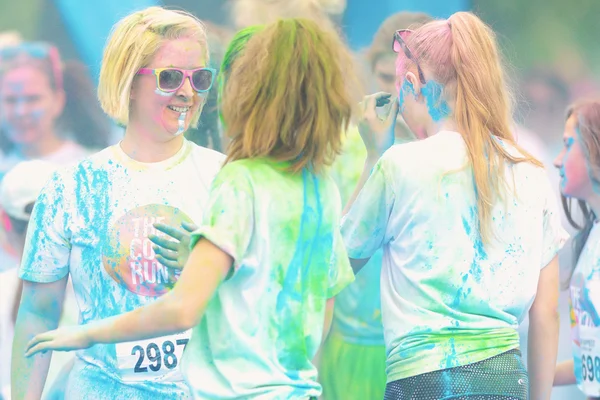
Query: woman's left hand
{"x": 377, "y": 133}
{"x": 63, "y": 339}
{"x": 174, "y": 251}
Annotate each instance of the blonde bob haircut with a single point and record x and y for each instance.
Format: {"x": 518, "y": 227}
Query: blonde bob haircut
{"x": 132, "y": 44}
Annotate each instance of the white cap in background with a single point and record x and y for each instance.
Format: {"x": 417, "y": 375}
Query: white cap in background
{"x": 22, "y": 184}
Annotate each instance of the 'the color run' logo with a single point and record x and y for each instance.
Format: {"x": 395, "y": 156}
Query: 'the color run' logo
{"x": 129, "y": 258}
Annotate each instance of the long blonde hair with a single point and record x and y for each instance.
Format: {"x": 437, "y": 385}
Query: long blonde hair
{"x": 288, "y": 95}
{"x": 463, "y": 56}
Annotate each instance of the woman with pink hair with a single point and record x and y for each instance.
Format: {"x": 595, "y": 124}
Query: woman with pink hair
{"x": 468, "y": 224}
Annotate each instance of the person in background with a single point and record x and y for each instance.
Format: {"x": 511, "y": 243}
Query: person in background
{"x": 257, "y": 12}
{"x": 578, "y": 164}
{"x": 48, "y": 109}
{"x": 352, "y": 361}
{"x": 381, "y": 62}
{"x": 209, "y": 133}
{"x": 467, "y": 220}
{"x": 18, "y": 192}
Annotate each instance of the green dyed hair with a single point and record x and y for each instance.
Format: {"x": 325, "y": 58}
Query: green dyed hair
{"x": 233, "y": 51}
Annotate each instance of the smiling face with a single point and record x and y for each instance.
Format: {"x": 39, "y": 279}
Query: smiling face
{"x": 157, "y": 112}
{"x": 572, "y": 163}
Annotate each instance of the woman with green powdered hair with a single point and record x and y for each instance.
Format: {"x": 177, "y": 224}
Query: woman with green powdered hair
{"x": 233, "y": 51}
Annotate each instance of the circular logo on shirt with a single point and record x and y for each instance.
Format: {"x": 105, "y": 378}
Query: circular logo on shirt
{"x": 129, "y": 258}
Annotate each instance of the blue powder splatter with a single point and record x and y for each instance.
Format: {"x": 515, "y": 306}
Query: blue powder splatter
{"x": 432, "y": 92}
{"x": 451, "y": 359}
{"x": 291, "y": 301}
{"x": 436, "y": 106}
{"x": 461, "y": 293}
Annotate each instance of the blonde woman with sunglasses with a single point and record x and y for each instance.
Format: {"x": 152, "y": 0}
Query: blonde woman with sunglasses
{"x": 468, "y": 224}
{"x": 92, "y": 222}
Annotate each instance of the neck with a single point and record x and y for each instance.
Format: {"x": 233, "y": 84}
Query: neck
{"x": 446, "y": 124}
{"x": 47, "y": 144}
{"x": 142, "y": 147}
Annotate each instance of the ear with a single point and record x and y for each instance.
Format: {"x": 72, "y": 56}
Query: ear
{"x": 60, "y": 100}
{"x": 414, "y": 82}
{"x": 132, "y": 91}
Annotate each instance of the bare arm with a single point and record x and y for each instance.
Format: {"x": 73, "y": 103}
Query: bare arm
{"x": 378, "y": 136}
{"x": 370, "y": 162}
{"x": 543, "y": 333}
{"x": 328, "y": 318}
{"x": 179, "y": 310}
{"x": 364, "y": 176}
{"x": 39, "y": 311}
{"x": 565, "y": 373}
{"x": 326, "y": 328}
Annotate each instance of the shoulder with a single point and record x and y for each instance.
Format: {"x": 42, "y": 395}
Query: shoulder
{"x": 238, "y": 175}
{"x": 208, "y": 155}
{"x": 211, "y": 161}
{"x": 86, "y": 172}
{"x": 439, "y": 147}
{"x": 427, "y": 158}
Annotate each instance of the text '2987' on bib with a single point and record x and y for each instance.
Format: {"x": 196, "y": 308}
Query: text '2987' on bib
{"x": 155, "y": 359}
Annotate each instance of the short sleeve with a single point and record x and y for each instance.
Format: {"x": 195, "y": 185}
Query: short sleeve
{"x": 364, "y": 227}
{"x": 47, "y": 245}
{"x": 228, "y": 220}
{"x": 555, "y": 235}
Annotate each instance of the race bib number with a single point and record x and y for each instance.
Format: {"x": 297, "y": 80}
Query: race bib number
{"x": 155, "y": 359}
{"x": 590, "y": 360}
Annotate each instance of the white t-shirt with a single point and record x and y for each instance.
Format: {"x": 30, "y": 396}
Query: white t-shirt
{"x": 447, "y": 300}
{"x": 92, "y": 221}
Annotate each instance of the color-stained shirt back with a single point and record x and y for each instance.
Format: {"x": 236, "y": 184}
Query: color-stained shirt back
{"x": 448, "y": 300}
{"x": 92, "y": 221}
{"x": 264, "y": 325}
